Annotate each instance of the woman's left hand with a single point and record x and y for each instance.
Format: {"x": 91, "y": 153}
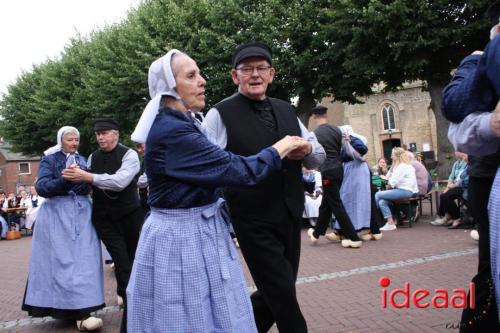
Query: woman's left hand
{"x": 75, "y": 174}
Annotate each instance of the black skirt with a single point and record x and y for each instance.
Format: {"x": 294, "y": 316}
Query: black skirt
{"x": 63, "y": 314}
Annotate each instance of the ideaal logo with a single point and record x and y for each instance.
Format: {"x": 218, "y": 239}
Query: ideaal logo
{"x": 422, "y": 298}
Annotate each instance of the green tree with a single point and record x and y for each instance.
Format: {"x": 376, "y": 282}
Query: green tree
{"x": 105, "y": 73}
{"x": 321, "y": 48}
{"x": 398, "y": 41}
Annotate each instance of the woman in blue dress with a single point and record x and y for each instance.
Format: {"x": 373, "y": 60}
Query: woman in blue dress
{"x": 186, "y": 275}
{"x": 355, "y": 189}
{"x": 65, "y": 277}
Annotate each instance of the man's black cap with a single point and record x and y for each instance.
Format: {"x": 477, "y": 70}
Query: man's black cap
{"x": 319, "y": 110}
{"x": 103, "y": 124}
{"x": 252, "y": 49}
{"x": 494, "y": 13}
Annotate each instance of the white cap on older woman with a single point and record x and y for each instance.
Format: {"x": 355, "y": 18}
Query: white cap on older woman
{"x": 58, "y": 147}
{"x": 347, "y": 129}
{"x": 161, "y": 82}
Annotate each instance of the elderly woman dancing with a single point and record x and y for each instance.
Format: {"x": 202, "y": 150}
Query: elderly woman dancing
{"x": 65, "y": 278}
{"x": 186, "y": 275}
{"x": 356, "y": 187}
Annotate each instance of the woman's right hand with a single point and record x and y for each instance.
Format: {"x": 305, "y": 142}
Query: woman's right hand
{"x": 289, "y": 143}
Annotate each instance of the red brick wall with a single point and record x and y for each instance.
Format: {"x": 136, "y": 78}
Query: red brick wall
{"x": 3, "y": 178}
{"x": 10, "y": 175}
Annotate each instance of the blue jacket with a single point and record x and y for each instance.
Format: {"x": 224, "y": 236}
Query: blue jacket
{"x": 50, "y": 182}
{"x": 185, "y": 169}
{"x": 475, "y": 85}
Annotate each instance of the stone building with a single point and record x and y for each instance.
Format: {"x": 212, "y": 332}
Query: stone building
{"x": 390, "y": 119}
{"x": 16, "y": 169}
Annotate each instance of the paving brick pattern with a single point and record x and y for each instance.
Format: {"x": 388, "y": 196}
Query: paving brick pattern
{"x": 338, "y": 288}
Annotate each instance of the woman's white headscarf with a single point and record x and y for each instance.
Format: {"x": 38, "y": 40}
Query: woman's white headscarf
{"x": 58, "y": 147}
{"x": 348, "y": 130}
{"x": 347, "y": 147}
{"x": 161, "y": 82}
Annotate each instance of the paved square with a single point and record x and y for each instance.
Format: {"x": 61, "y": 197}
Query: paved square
{"x": 338, "y": 288}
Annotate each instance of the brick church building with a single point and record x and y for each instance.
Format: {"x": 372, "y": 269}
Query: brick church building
{"x": 390, "y": 119}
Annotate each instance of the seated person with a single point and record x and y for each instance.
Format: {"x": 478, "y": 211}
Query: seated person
{"x": 379, "y": 173}
{"x": 23, "y": 203}
{"x": 424, "y": 181}
{"x": 33, "y": 204}
{"x": 12, "y": 218}
{"x": 3, "y": 204}
{"x": 3, "y": 227}
{"x": 10, "y": 201}
{"x": 449, "y": 213}
{"x": 381, "y": 168}
{"x": 313, "y": 195}
{"x": 403, "y": 183}
{"x": 309, "y": 180}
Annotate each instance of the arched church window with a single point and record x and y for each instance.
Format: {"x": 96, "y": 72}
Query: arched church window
{"x": 388, "y": 117}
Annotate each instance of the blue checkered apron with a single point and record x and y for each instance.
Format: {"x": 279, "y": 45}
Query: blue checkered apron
{"x": 494, "y": 217}
{"x": 187, "y": 276}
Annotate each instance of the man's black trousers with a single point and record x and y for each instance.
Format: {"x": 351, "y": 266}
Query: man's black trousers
{"x": 120, "y": 235}
{"x": 484, "y": 317}
{"x": 332, "y": 203}
{"x": 271, "y": 247}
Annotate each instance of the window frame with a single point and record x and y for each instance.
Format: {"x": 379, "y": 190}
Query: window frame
{"x": 19, "y": 168}
{"x": 386, "y": 110}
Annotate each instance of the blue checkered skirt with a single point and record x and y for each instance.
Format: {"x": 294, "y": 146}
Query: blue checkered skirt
{"x": 494, "y": 219}
{"x": 186, "y": 275}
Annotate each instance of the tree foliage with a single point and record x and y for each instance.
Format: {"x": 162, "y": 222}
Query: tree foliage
{"x": 321, "y": 48}
{"x": 398, "y": 41}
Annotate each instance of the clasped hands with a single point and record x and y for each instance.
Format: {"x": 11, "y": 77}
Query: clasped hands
{"x": 449, "y": 186}
{"x": 73, "y": 173}
{"x": 300, "y": 148}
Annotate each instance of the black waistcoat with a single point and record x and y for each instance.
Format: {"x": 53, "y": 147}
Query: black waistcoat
{"x": 106, "y": 202}
{"x": 247, "y": 135}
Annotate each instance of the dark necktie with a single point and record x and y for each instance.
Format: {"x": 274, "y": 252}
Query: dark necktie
{"x": 264, "y": 111}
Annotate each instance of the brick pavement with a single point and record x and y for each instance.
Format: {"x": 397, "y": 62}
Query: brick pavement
{"x": 338, "y": 288}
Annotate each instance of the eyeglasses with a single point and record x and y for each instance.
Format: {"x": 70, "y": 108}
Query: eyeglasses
{"x": 246, "y": 71}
